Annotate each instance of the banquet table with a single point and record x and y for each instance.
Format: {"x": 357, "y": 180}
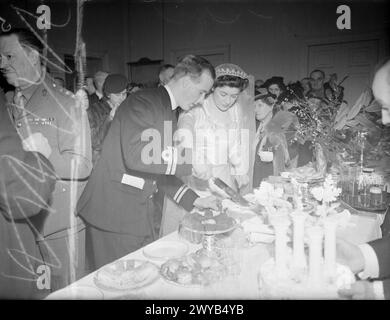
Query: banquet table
{"x": 362, "y": 228}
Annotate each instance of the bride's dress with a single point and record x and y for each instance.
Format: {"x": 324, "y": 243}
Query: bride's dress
{"x": 216, "y": 143}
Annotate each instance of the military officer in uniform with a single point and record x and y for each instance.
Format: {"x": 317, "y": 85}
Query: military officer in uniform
{"x": 117, "y": 203}
{"x": 41, "y": 110}
{"x": 27, "y": 181}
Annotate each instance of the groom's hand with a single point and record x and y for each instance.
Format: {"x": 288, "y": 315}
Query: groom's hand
{"x": 209, "y": 202}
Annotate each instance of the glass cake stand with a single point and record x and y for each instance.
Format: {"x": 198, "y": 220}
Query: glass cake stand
{"x": 209, "y": 239}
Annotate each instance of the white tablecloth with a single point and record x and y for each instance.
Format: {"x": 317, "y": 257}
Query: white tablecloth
{"x": 363, "y": 228}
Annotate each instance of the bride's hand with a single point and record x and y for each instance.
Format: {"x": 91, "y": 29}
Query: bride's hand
{"x": 242, "y": 180}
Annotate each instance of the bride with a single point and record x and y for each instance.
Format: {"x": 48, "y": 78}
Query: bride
{"x": 218, "y": 138}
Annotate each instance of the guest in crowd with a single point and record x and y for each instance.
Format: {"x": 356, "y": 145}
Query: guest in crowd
{"x": 215, "y": 120}
{"x": 262, "y": 169}
{"x": 98, "y": 81}
{"x": 371, "y": 260}
{"x": 259, "y": 90}
{"x": 317, "y": 78}
{"x": 275, "y": 87}
{"x": 276, "y": 149}
{"x": 27, "y": 181}
{"x": 89, "y": 86}
{"x": 90, "y": 90}
{"x": 42, "y": 112}
{"x": 334, "y": 92}
{"x": 165, "y": 74}
{"x": 102, "y": 112}
{"x": 306, "y": 85}
{"x": 117, "y": 204}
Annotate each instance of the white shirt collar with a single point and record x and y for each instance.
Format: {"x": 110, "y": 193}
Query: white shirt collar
{"x": 171, "y": 97}
{"x": 99, "y": 94}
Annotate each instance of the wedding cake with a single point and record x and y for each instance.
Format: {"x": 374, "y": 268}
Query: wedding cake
{"x": 207, "y": 220}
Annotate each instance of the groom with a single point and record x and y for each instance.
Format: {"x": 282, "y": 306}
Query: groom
{"x": 117, "y": 203}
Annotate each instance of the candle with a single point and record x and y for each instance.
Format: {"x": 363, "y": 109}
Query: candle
{"x": 315, "y": 235}
{"x": 299, "y": 259}
{"x": 280, "y": 224}
{"x": 330, "y": 225}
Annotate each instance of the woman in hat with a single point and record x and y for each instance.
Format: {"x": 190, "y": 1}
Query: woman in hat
{"x": 102, "y": 112}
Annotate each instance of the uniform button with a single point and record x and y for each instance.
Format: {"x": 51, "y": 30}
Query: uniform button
{"x": 151, "y": 196}
{"x": 19, "y": 124}
{"x": 63, "y": 189}
{"x": 154, "y": 183}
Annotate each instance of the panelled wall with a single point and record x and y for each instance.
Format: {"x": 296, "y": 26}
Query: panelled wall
{"x": 265, "y": 38}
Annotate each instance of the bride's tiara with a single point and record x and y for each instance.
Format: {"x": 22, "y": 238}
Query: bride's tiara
{"x": 229, "y": 69}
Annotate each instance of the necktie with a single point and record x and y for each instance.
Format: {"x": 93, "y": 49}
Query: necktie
{"x": 177, "y": 113}
{"x": 19, "y": 103}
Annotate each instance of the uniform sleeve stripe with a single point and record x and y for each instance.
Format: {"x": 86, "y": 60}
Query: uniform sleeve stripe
{"x": 169, "y": 166}
{"x": 182, "y": 194}
{"x": 178, "y": 192}
{"x": 174, "y": 161}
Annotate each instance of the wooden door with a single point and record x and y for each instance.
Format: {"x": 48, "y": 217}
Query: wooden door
{"x": 357, "y": 59}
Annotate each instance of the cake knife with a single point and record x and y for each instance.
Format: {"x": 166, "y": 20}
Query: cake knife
{"x": 234, "y": 195}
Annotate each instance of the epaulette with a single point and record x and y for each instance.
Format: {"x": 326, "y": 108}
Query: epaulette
{"x": 64, "y": 91}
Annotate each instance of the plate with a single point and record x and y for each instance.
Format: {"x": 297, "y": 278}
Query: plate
{"x": 193, "y": 270}
{"x": 85, "y": 293}
{"x": 310, "y": 180}
{"x": 164, "y": 250}
{"x": 187, "y": 285}
{"x": 126, "y": 275}
{"x": 255, "y": 237}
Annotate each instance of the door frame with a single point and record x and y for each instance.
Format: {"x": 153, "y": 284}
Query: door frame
{"x": 379, "y": 36}
{"x": 103, "y": 55}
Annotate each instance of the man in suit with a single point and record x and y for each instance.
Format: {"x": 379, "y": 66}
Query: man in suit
{"x": 27, "y": 181}
{"x": 138, "y": 157}
{"x": 40, "y": 110}
{"x": 317, "y": 78}
{"x": 371, "y": 259}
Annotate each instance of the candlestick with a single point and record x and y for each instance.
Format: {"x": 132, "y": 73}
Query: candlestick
{"x": 330, "y": 225}
{"x": 299, "y": 203}
{"x": 315, "y": 235}
{"x": 299, "y": 259}
{"x": 280, "y": 224}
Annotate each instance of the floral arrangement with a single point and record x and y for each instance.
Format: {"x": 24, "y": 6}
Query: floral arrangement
{"x": 326, "y": 194}
{"x": 334, "y": 124}
{"x": 315, "y": 116}
{"x": 271, "y": 198}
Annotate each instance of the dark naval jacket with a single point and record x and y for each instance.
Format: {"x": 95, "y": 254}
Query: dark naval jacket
{"x": 137, "y": 157}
